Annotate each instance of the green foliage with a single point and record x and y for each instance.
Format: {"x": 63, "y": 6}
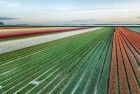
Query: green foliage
{"x": 75, "y": 64}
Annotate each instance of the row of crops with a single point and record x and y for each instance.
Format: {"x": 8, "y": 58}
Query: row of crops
{"x": 134, "y": 28}
{"x": 55, "y": 65}
{"x": 11, "y": 33}
{"x": 125, "y": 68}
{"x": 103, "y": 61}
{"x": 11, "y": 44}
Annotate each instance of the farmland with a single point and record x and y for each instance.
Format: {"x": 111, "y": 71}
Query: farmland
{"x": 8, "y": 33}
{"x": 77, "y": 60}
{"x": 136, "y": 29}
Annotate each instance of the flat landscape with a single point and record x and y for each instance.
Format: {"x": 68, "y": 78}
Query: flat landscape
{"x": 70, "y": 60}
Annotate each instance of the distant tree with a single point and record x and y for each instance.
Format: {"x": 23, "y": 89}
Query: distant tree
{"x": 1, "y": 23}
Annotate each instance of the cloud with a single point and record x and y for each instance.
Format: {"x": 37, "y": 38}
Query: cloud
{"x": 8, "y": 4}
{"x": 83, "y": 21}
{"x": 75, "y": 22}
{"x": 7, "y": 18}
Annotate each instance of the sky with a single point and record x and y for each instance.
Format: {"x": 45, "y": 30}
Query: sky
{"x": 70, "y": 11}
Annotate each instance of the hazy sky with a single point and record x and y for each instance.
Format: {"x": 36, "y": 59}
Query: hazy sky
{"x": 70, "y": 11}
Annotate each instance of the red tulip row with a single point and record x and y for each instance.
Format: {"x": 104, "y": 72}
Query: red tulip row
{"x": 4, "y": 35}
{"x": 125, "y": 73}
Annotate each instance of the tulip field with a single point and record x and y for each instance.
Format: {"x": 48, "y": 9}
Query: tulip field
{"x": 8, "y": 33}
{"x": 70, "y": 60}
